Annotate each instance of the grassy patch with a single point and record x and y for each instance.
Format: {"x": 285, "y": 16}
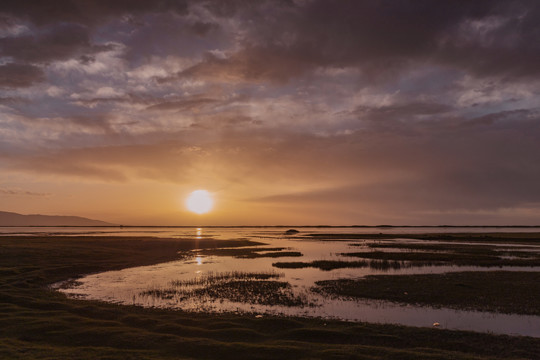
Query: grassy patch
{"x": 243, "y": 287}
{"x": 262, "y": 292}
{"x": 328, "y": 265}
{"x": 495, "y": 291}
{"x": 321, "y": 264}
{"x": 213, "y": 278}
{"x": 486, "y": 258}
{"x": 467, "y": 249}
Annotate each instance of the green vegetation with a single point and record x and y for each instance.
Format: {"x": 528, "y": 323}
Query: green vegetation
{"x": 495, "y": 291}
{"x": 36, "y": 323}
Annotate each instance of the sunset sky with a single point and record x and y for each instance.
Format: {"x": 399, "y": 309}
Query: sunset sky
{"x": 287, "y": 112}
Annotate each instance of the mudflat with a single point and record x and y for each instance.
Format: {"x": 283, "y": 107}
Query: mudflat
{"x": 37, "y": 323}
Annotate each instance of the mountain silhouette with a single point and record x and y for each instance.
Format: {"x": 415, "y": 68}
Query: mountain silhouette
{"x": 14, "y": 219}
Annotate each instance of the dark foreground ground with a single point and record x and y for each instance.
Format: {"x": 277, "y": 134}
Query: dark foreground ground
{"x": 36, "y": 323}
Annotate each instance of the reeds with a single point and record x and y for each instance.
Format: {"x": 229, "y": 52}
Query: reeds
{"x": 235, "y": 286}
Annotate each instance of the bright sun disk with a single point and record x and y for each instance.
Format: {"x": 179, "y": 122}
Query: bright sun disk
{"x": 199, "y": 201}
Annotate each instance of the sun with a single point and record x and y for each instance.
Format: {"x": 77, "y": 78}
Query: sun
{"x": 199, "y": 202}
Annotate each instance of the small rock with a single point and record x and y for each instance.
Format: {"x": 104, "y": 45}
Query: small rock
{"x": 291, "y": 232}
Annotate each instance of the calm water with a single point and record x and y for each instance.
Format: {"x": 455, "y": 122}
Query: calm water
{"x": 227, "y": 232}
{"x": 131, "y": 286}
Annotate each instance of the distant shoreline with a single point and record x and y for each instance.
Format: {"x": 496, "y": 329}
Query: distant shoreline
{"x": 275, "y": 226}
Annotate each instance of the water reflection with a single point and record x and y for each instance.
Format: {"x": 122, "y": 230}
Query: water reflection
{"x": 204, "y": 283}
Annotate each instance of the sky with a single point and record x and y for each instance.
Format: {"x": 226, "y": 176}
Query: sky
{"x": 288, "y": 112}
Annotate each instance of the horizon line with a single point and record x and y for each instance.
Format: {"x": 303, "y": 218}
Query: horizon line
{"x": 274, "y": 226}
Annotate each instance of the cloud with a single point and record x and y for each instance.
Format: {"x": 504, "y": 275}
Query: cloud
{"x": 282, "y": 40}
{"x": 381, "y": 38}
{"x": 86, "y": 12}
{"x": 252, "y": 64}
{"x": 490, "y": 164}
{"x": 20, "y": 192}
{"x": 20, "y": 75}
{"x": 56, "y": 43}
{"x": 191, "y": 104}
{"x": 407, "y": 111}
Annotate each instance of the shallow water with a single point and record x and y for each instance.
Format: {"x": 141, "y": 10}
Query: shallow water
{"x": 182, "y": 231}
{"x": 128, "y": 286}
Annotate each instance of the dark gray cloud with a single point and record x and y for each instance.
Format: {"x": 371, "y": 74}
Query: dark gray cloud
{"x": 256, "y": 63}
{"x": 85, "y": 12}
{"x": 403, "y": 113}
{"x": 59, "y": 42}
{"x": 484, "y": 38}
{"x": 20, "y": 75}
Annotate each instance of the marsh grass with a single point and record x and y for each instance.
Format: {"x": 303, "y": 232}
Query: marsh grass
{"x": 216, "y": 277}
{"x": 237, "y": 286}
{"x": 484, "y": 258}
{"x": 321, "y": 264}
{"x": 327, "y": 265}
{"x": 36, "y": 323}
{"x": 523, "y": 251}
{"x": 261, "y": 292}
{"x": 495, "y": 291}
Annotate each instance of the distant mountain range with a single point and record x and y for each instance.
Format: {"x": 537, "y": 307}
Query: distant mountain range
{"x": 14, "y": 219}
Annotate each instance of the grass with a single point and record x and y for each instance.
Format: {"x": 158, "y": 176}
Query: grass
{"x": 327, "y": 265}
{"x": 494, "y": 291}
{"x": 216, "y": 277}
{"x": 460, "y": 258}
{"x": 478, "y": 254}
{"x": 36, "y": 323}
{"x": 260, "y": 292}
{"x": 242, "y": 287}
{"x": 469, "y": 248}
